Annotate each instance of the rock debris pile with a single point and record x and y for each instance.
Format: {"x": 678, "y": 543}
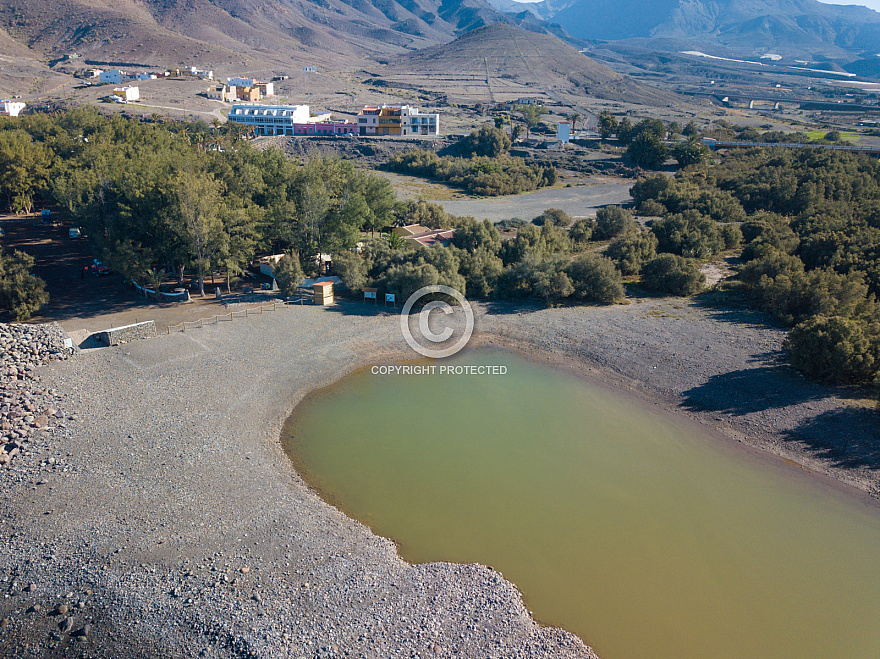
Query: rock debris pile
{"x": 26, "y": 408}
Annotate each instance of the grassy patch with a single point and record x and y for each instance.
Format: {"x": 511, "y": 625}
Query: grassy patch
{"x": 820, "y": 134}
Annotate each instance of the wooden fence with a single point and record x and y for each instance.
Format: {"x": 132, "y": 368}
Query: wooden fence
{"x": 229, "y": 317}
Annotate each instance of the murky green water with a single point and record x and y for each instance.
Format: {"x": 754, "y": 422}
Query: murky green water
{"x": 625, "y": 525}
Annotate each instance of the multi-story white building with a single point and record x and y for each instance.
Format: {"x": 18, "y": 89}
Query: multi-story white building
{"x": 11, "y": 108}
{"x": 278, "y": 119}
{"x": 113, "y": 77}
{"x": 401, "y": 120}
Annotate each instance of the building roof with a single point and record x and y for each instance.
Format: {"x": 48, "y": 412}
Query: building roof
{"x": 433, "y": 238}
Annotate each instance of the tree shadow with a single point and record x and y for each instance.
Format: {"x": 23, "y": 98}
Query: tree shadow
{"x": 848, "y": 437}
{"x": 752, "y": 390}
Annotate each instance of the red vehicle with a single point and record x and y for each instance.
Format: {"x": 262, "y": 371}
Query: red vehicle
{"x": 97, "y": 267}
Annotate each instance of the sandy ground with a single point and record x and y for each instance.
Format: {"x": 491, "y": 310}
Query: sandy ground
{"x": 171, "y": 521}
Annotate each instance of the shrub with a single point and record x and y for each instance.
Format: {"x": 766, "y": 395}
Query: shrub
{"x": 471, "y": 234}
{"x": 652, "y": 208}
{"x": 672, "y": 274}
{"x": 582, "y": 231}
{"x": 632, "y": 251}
{"x": 288, "y": 273}
{"x": 647, "y": 151}
{"x": 351, "y": 269}
{"x": 487, "y": 141}
{"x": 771, "y": 265}
{"x": 554, "y": 216}
{"x": 689, "y": 153}
{"x": 732, "y": 235}
{"x": 613, "y": 221}
{"x": 481, "y": 270}
{"x": 834, "y": 349}
{"x": 21, "y": 293}
{"x": 794, "y": 298}
{"x": 689, "y": 234}
{"x": 595, "y": 278}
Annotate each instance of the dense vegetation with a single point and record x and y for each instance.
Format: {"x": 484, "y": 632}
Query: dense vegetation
{"x": 809, "y": 223}
{"x": 21, "y": 294}
{"x": 484, "y": 168}
{"x": 156, "y": 197}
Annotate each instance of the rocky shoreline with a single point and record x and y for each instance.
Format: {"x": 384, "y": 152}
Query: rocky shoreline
{"x": 159, "y": 516}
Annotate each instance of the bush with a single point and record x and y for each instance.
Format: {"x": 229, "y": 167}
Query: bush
{"x": 833, "y": 349}
{"x": 351, "y": 269}
{"x": 487, "y": 141}
{"x": 288, "y": 273}
{"x": 21, "y": 293}
{"x": 632, "y": 251}
{"x": 771, "y": 265}
{"x": 732, "y": 235}
{"x": 792, "y": 299}
{"x": 647, "y": 151}
{"x": 690, "y": 234}
{"x": 481, "y": 270}
{"x": 595, "y": 279}
{"x": 471, "y": 234}
{"x": 613, "y": 221}
{"x": 481, "y": 175}
{"x": 652, "y": 208}
{"x": 582, "y": 231}
{"x": 554, "y": 216}
{"x": 672, "y": 274}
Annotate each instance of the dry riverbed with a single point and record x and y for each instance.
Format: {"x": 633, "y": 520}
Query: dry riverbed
{"x": 164, "y": 519}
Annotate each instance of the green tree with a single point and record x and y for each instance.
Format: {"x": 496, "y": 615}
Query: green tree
{"x": 607, "y": 124}
{"x": 672, "y": 274}
{"x": 351, "y": 269}
{"x": 288, "y": 273}
{"x": 21, "y": 293}
{"x": 646, "y": 150}
{"x": 689, "y": 153}
{"x": 834, "y": 349}
{"x": 625, "y": 131}
{"x": 195, "y": 206}
{"x": 24, "y": 169}
{"x": 487, "y": 141}
{"x": 531, "y": 115}
{"x": 582, "y": 231}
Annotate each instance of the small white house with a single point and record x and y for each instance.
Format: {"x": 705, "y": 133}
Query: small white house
{"x": 128, "y": 93}
{"x": 145, "y": 76}
{"x": 113, "y": 77}
{"x": 563, "y": 131}
{"x": 10, "y": 108}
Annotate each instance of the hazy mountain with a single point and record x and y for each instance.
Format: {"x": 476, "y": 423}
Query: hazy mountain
{"x": 792, "y": 27}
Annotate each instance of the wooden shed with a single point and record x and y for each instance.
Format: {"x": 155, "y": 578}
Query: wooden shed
{"x": 323, "y": 292}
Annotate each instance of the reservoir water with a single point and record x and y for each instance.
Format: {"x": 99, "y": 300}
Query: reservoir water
{"x": 635, "y": 529}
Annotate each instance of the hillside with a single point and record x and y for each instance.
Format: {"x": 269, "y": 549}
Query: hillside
{"x": 505, "y": 62}
{"x": 215, "y": 32}
{"x": 748, "y": 27}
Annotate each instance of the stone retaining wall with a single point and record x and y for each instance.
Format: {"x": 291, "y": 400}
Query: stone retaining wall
{"x": 117, "y": 335}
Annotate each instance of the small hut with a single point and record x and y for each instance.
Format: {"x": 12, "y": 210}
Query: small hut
{"x": 323, "y": 292}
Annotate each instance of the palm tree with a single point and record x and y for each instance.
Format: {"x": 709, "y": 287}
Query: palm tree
{"x": 395, "y": 242}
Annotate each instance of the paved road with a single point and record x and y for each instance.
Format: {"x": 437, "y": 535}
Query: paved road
{"x": 579, "y": 201}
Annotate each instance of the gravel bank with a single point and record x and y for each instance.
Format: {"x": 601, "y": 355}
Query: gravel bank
{"x": 170, "y": 523}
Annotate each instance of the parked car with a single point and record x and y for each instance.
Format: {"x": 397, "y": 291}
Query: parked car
{"x": 74, "y": 233}
{"x": 101, "y": 268}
